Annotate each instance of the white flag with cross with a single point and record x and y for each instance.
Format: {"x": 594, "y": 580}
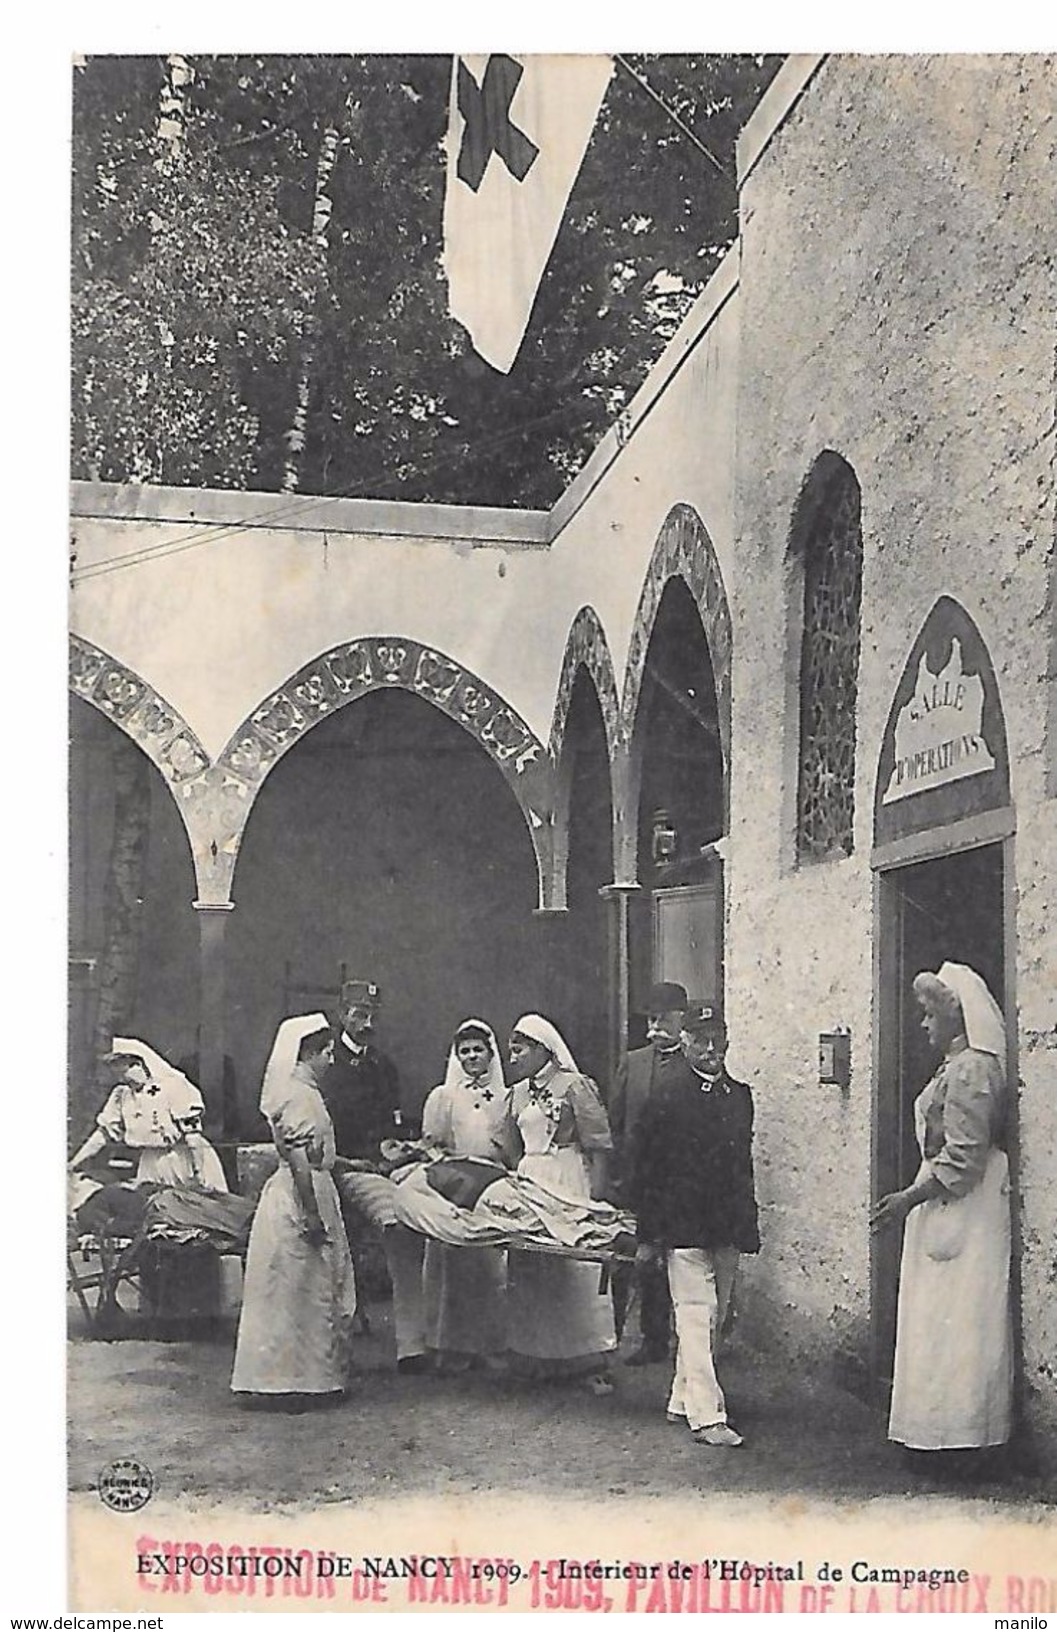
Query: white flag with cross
{"x": 517, "y": 133}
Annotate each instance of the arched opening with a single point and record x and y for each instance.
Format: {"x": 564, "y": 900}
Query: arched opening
{"x": 388, "y": 841}
{"x": 579, "y": 968}
{"x": 133, "y": 939}
{"x": 943, "y": 861}
{"x": 675, "y": 923}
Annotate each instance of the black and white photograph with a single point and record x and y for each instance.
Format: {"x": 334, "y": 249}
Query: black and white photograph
{"x": 562, "y": 994}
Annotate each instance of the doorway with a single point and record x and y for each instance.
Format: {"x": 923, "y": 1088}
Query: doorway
{"x": 947, "y": 908}
{"x": 675, "y": 925}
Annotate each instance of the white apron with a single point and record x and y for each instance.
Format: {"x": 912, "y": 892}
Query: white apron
{"x": 554, "y": 1306}
{"x": 299, "y": 1298}
{"x": 953, "y": 1381}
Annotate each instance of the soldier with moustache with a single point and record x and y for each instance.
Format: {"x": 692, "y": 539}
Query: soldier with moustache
{"x": 638, "y": 1078}
{"x": 693, "y": 1192}
{"x": 361, "y": 1089}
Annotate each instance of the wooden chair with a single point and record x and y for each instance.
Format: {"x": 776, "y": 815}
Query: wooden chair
{"x": 106, "y": 1263}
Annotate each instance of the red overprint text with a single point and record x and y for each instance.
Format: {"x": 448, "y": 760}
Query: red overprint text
{"x": 215, "y": 1570}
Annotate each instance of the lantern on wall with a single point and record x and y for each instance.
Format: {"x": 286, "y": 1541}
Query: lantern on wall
{"x": 834, "y": 1057}
{"x": 665, "y": 841}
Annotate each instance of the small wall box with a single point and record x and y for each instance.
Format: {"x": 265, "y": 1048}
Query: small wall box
{"x": 834, "y": 1058}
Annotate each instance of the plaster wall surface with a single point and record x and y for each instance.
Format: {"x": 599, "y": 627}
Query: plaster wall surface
{"x": 215, "y": 615}
{"x": 897, "y": 306}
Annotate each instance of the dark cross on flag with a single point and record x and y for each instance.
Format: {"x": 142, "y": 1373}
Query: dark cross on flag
{"x": 488, "y": 126}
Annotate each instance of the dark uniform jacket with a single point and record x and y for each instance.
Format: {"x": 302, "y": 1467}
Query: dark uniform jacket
{"x": 638, "y": 1077}
{"x": 362, "y": 1094}
{"x": 692, "y": 1183}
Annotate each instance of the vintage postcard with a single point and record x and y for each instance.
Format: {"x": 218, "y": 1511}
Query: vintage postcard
{"x": 563, "y": 857}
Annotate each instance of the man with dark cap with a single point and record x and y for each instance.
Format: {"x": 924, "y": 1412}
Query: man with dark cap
{"x": 362, "y": 1093}
{"x": 638, "y": 1078}
{"x": 693, "y": 1192}
{"x": 361, "y": 1087}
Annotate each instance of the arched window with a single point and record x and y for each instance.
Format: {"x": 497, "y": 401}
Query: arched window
{"x": 827, "y": 539}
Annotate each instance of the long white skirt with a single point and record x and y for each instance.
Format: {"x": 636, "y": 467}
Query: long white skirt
{"x": 298, "y": 1299}
{"x": 555, "y": 1310}
{"x": 953, "y": 1383}
{"x": 464, "y": 1297}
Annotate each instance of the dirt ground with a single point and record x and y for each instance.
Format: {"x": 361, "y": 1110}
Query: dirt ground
{"x": 168, "y": 1405}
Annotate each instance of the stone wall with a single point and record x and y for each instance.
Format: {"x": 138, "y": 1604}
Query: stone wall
{"x": 897, "y": 307}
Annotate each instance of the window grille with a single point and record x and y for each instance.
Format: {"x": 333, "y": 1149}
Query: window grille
{"x": 832, "y": 553}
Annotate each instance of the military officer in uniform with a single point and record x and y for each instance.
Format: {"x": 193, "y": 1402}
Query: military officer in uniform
{"x": 693, "y": 1193}
{"x": 637, "y": 1080}
{"x": 361, "y": 1089}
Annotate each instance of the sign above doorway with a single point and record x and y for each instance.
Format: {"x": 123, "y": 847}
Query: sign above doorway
{"x": 939, "y": 733}
{"x": 943, "y": 755}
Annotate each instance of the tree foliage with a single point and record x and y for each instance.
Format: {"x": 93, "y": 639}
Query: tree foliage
{"x": 201, "y": 292}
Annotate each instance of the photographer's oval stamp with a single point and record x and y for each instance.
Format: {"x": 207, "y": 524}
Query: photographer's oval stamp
{"x": 126, "y": 1485}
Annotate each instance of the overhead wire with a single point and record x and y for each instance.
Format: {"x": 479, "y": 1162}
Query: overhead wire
{"x": 217, "y": 531}
{"x": 674, "y": 117}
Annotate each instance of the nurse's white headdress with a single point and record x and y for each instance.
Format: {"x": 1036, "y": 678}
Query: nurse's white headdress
{"x": 539, "y": 1030}
{"x": 455, "y": 1076}
{"x": 984, "y": 1025}
{"x": 275, "y": 1086}
{"x": 182, "y": 1096}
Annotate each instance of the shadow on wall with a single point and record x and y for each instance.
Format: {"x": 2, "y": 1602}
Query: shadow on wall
{"x": 387, "y": 840}
{"x": 133, "y": 937}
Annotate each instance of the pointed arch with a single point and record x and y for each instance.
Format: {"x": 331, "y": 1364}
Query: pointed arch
{"x": 824, "y": 574}
{"x": 344, "y": 673}
{"x": 587, "y": 647}
{"x": 215, "y": 798}
{"x": 586, "y": 661}
{"x": 944, "y": 755}
{"x": 157, "y": 728}
{"x": 685, "y": 551}
{"x": 127, "y": 699}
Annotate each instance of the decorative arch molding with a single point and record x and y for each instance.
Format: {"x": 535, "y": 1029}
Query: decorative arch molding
{"x": 127, "y": 699}
{"x": 213, "y": 807}
{"x": 586, "y": 649}
{"x": 215, "y": 798}
{"x": 347, "y": 672}
{"x": 683, "y": 550}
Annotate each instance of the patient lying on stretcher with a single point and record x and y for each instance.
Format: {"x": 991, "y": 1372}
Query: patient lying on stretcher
{"x": 468, "y": 1201}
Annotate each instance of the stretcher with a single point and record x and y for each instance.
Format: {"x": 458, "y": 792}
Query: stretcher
{"x": 517, "y": 1214}
{"x": 112, "y": 1233}
{"x": 608, "y": 1259}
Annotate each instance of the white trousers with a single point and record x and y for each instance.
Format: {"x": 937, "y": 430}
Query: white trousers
{"x": 701, "y": 1280}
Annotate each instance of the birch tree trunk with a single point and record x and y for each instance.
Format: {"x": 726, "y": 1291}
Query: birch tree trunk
{"x": 321, "y": 213}
{"x": 172, "y": 112}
